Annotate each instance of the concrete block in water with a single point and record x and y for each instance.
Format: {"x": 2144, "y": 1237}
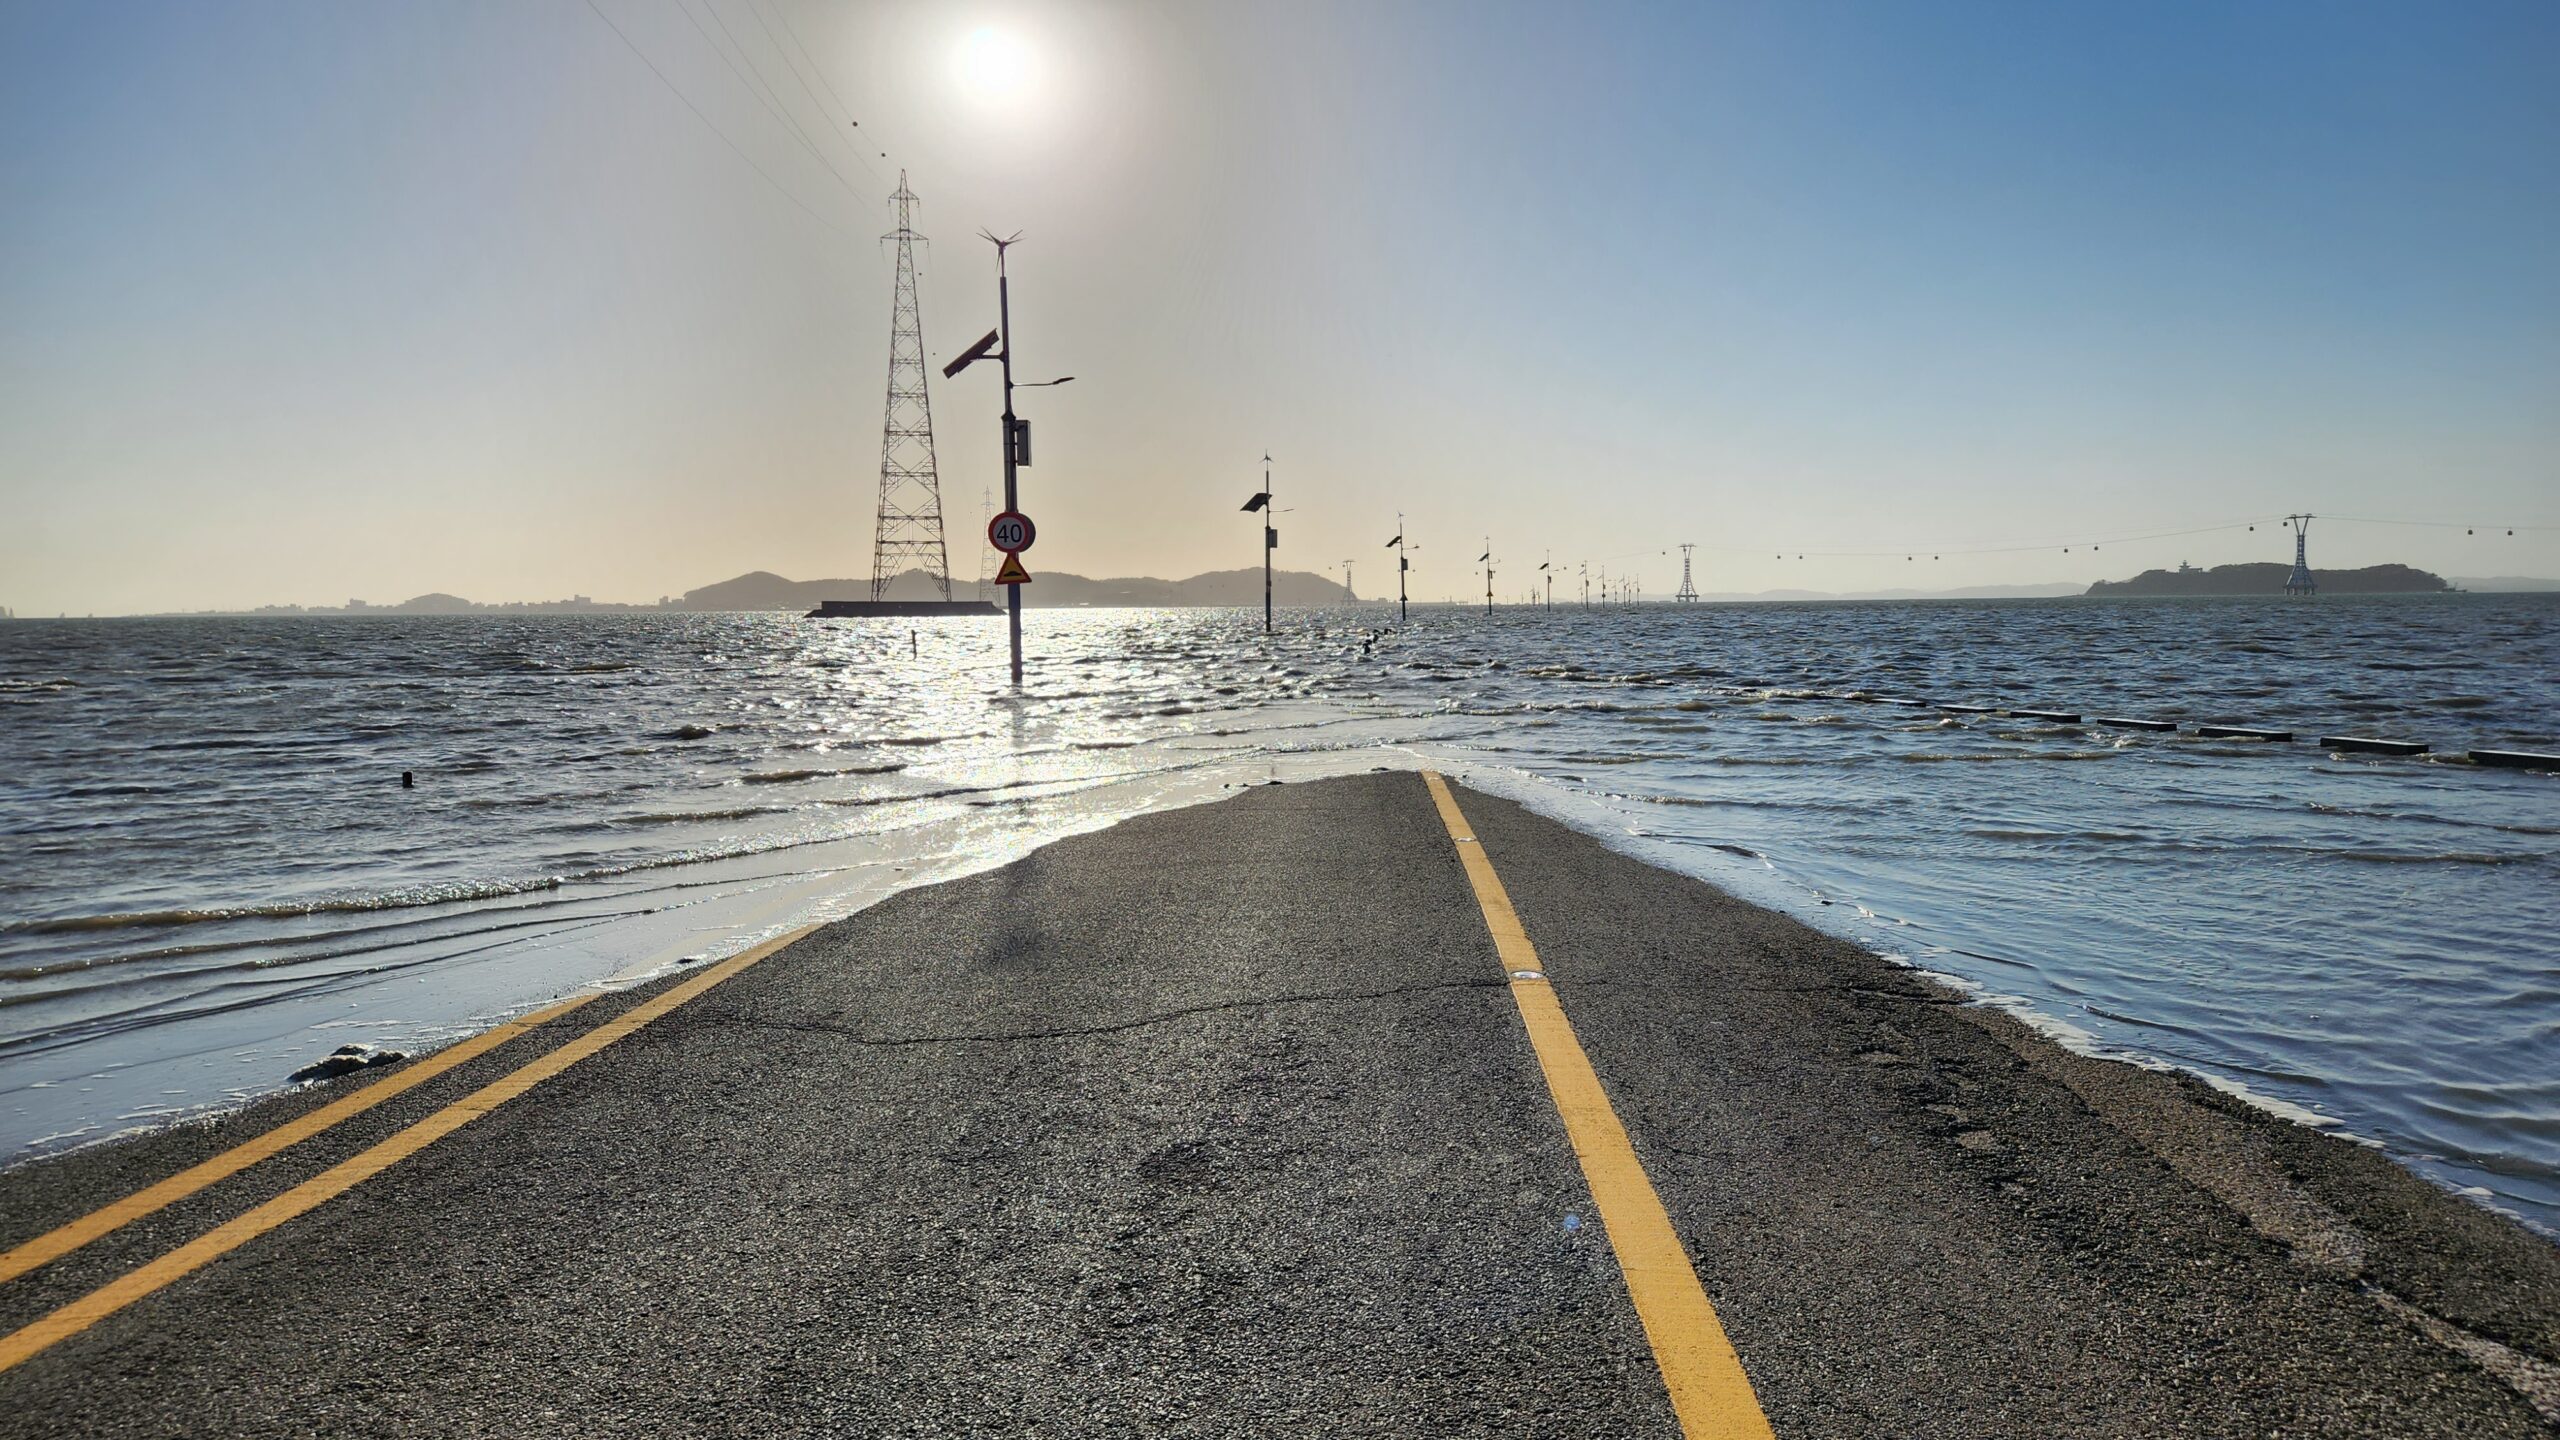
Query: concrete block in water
{"x": 2115, "y": 722}
{"x": 2063, "y": 716}
{"x": 2241, "y": 732}
{"x": 2515, "y": 759}
{"x": 2368, "y": 745}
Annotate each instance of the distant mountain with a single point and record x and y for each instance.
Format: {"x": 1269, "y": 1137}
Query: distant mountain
{"x": 763, "y": 590}
{"x": 2267, "y": 578}
{"x": 435, "y": 603}
{"x": 2502, "y": 584}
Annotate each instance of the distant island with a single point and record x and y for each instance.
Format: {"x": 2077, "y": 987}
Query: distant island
{"x": 764, "y": 590}
{"x": 2268, "y": 579}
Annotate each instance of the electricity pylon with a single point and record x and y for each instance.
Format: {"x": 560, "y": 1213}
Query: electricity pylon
{"x": 1688, "y": 591}
{"x": 909, "y": 533}
{"x": 2299, "y": 582}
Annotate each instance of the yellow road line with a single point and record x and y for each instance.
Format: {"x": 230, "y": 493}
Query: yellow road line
{"x": 1709, "y": 1391}
{"x": 107, "y": 1219}
{"x": 98, "y": 1304}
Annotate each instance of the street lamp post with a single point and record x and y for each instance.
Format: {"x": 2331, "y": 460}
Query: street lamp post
{"x": 1017, "y": 434}
{"x": 1402, "y": 565}
{"x": 1261, "y": 504}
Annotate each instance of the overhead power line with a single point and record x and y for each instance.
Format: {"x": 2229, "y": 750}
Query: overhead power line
{"x": 762, "y": 88}
{"x": 852, "y": 149}
{"x": 2473, "y": 526}
{"x": 850, "y": 119}
{"x": 709, "y": 124}
{"x": 1937, "y": 551}
{"x": 1940, "y": 552}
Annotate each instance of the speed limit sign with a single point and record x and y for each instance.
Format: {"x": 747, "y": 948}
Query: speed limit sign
{"x": 1011, "y": 532}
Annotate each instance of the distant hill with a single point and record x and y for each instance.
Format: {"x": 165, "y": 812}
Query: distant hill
{"x": 2269, "y": 578}
{"x": 763, "y": 590}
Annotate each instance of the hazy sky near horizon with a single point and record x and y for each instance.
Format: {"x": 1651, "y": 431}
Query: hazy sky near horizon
{"x": 303, "y": 301}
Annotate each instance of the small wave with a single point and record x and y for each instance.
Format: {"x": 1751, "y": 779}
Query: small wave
{"x": 1932, "y": 758}
{"x": 393, "y": 900}
{"x": 2392, "y": 857}
{"x": 789, "y": 777}
{"x": 681, "y": 817}
{"x": 688, "y": 732}
{"x": 1995, "y": 832}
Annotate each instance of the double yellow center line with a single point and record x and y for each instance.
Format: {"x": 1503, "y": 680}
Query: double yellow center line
{"x": 98, "y": 1304}
{"x": 1709, "y": 1391}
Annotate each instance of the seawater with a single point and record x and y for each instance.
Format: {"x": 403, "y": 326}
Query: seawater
{"x": 210, "y": 874}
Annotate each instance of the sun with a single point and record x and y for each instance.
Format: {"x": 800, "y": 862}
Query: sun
{"x": 995, "y": 67}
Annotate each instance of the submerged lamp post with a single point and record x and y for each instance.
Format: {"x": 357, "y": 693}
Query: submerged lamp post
{"x": 1402, "y": 565}
{"x": 1016, "y": 433}
{"x": 1261, "y": 504}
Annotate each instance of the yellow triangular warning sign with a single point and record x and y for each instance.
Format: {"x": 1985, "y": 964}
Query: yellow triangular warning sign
{"x": 1011, "y": 572}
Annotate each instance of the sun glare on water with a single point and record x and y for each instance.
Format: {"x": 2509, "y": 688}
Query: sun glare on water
{"x": 994, "y": 66}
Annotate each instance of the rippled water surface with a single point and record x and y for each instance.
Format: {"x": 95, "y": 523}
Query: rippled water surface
{"x": 211, "y": 873}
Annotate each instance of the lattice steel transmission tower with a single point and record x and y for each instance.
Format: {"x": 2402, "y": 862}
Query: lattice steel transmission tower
{"x": 986, "y": 553}
{"x": 909, "y": 535}
{"x": 1688, "y": 591}
{"x": 2299, "y": 582}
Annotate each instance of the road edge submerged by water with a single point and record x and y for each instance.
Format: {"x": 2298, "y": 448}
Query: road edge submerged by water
{"x": 1867, "y": 1171}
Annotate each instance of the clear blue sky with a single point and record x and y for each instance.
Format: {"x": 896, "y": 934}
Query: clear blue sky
{"x": 300, "y": 302}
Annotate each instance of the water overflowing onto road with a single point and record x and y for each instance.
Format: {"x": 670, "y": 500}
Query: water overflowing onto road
{"x": 212, "y": 875}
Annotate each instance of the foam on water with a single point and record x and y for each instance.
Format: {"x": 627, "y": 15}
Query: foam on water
{"x": 211, "y": 876}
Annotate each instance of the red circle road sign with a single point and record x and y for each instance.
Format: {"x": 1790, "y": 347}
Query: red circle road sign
{"x": 1011, "y": 532}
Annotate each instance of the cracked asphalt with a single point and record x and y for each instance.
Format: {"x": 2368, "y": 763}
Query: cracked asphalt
{"x": 1221, "y": 1122}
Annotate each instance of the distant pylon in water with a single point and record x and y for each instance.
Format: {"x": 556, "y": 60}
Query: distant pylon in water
{"x": 1688, "y": 591}
{"x": 2299, "y": 582}
{"x": 986, "y": 553}
{"x": 909, "y": 535}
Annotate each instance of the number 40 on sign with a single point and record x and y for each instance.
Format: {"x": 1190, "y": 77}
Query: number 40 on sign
{"x": 1011, "y": 532}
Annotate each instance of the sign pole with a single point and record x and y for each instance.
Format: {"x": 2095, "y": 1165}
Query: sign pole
{"x": 1270, "y": 542}
{"x": 1012, "y": 495}
{"x": 1402, "y": 612}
